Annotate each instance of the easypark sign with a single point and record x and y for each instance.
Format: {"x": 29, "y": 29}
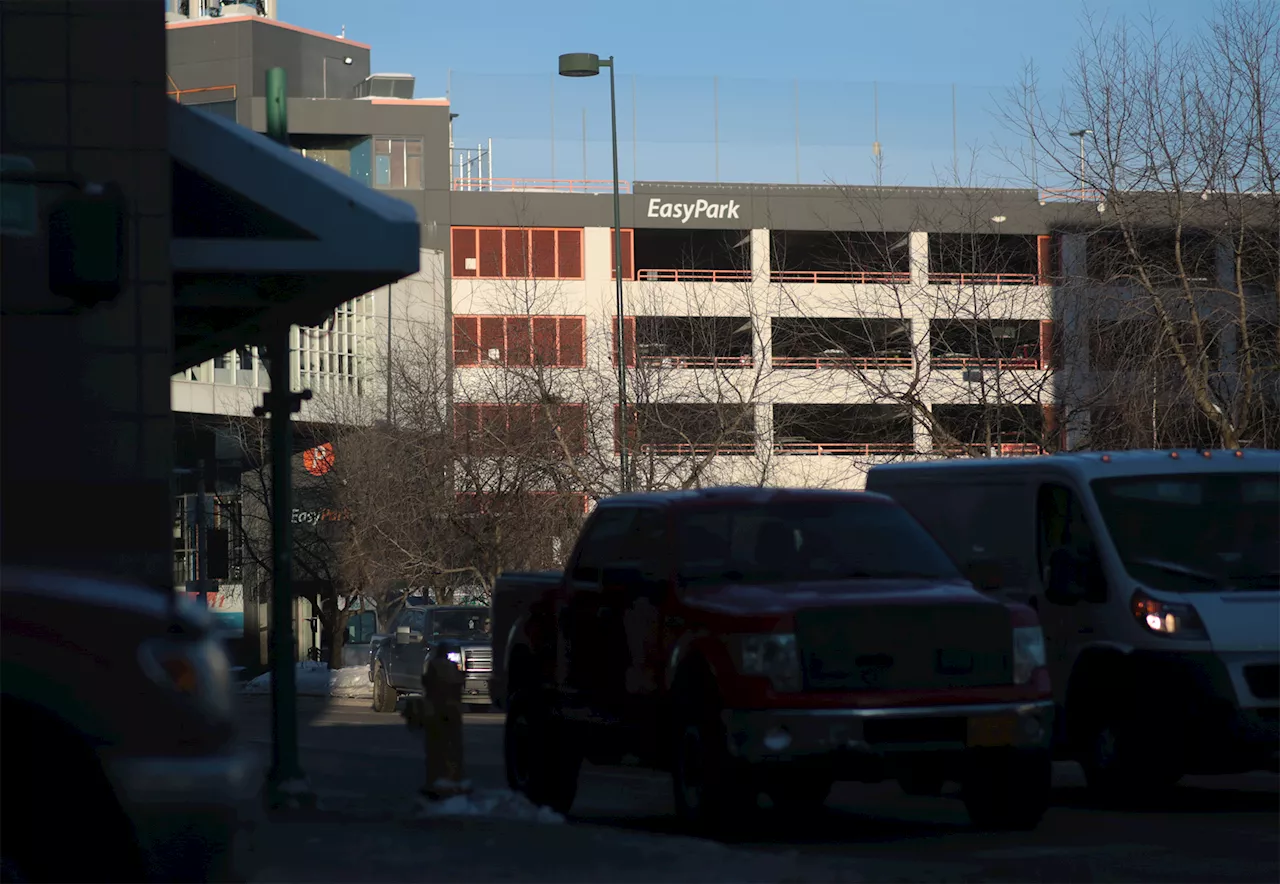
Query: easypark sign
{"x": 684, "y": 212}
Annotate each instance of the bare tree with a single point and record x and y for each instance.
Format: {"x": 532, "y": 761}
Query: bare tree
{"x": 937, "y": 340}
{"x": 1174, "y": 292}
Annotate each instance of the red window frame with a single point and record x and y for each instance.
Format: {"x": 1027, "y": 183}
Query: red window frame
{"x": 469, "y": 417}
{"x": 516, "y": 252}
{"x": 628, "y": 254}
{"x": 522, "y": 340}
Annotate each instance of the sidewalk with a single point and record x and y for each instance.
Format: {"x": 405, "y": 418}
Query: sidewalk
{"x": 341, "y": 845}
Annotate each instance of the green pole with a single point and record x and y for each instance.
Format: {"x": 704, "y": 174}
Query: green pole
{"x": 277, "y": 107}
{"x": 286, "y": 783}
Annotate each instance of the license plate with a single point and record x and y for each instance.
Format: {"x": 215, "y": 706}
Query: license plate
{"x": 992, "y": 731}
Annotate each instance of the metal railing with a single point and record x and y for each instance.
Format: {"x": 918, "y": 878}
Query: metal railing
{"x": 696, "y": 449}
{"x": 856, "y": 277}
{"x": 1071, "y": 194}
{"x": 677, "y": 362}
{"x": 668, "y": 275}
{"x": 176, "y": 94}
{"x": 975, "y": 449}
{"x": 542, "y": 185}
{"x": 820, "y": 448}
{"x": 817, "y": 362}
{"x": 986, "y": 279}
{"x": 1018, "y": 362}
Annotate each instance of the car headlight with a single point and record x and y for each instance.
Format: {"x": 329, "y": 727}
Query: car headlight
{"x": 198, "y": 670}
{"x": 1028, "y": 652}
{"x": 774, "y": 656}
{"x": 1167, "y": 618}
{"x": 455, "y": 657}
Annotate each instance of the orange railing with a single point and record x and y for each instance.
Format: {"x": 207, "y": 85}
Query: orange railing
{"x": 984, "y": 279}
{"x": 696, "y": 449}
{"x": 976, "y": 449}
{"x": 176, "y": 94}
{"x": 842, "y": 362}
{"x": 545, "y": 185}
{"x": 698, "y": 361}
{"x": 694, "y": 276}
{"x": 816, "y": 448}
{"x": 1073, "y": 194}
{"x": 861, "y": 277}
{"x": 1019, "y": 362}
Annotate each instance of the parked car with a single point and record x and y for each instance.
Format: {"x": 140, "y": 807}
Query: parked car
{"x": 398, "y": 659}
{"x": 765, "y": 640}
{"x": 1157, "y": 578}
{"x": 118, "y": 732}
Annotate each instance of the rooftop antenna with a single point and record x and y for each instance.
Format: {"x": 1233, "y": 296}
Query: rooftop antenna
{"x": 343, "y": 35}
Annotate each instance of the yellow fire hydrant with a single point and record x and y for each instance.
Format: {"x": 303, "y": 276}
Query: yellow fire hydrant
{"x": 440, "y": 715}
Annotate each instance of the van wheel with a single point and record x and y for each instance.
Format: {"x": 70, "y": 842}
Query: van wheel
{"x": 384, "y": 696}
{"x": 542, "y": 754}
{"x": 1119, "y": 763}
{"x": 1007, "y": 789}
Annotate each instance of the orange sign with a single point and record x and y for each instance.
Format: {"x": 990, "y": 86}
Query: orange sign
{"x": 318, "y": 460}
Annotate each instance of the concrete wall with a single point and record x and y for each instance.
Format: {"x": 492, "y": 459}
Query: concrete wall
{"x": 238, "y": 51}
{"x": 84, "y": 398}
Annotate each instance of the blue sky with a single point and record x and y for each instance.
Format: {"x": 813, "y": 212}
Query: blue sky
{"x": 502, "y": 55}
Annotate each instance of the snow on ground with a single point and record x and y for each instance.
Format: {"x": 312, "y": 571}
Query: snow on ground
{"x": 492, "y": 803}
{"x": 318, "y": 680}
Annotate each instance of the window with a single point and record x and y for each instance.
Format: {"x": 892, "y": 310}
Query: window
{"x": 628, "y": 255}
{"x": 415, "y": 620}
{"x": 602, "y": 542}
{"x": 517, "y": 253}
{"x": 645, "y": 546}
{"x": 1064, "y": 538}
{"x": 397, "y": 163}
{"x": 520, "y": 340}
{"x": 813, "y": 540}
{"x": 1195, "y": 532}
{"x": 521, "y": 429}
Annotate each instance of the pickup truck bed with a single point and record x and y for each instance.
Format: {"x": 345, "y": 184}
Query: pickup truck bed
{"x": 512, "y": 596}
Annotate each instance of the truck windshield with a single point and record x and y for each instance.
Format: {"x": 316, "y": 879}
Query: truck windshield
{"x": 1199, "y": 532}
{"x": 804, "y": 542}
{"x": 460, "y": 624}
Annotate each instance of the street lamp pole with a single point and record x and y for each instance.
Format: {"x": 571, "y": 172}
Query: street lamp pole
{"x": 1081, "y": 133}
{"x": 585, "y": 64}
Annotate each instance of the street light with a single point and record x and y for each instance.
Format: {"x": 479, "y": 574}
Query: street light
{"x": 587, "y": 64}
{"x": 1081, "y": 133}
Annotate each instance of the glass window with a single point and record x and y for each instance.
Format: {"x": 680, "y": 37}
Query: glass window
{"x": 1195, "y": 532}
{"x": 808, "y": 541}
{"x": 460, "y": 623}
{"x": 602, "y": 542}
{"x": 397, "y": 163}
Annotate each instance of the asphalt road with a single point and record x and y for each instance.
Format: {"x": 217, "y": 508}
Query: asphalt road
{"x": 1208, "y": 829}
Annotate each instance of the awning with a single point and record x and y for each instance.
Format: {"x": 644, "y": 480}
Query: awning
{"x": 263, "y": 235}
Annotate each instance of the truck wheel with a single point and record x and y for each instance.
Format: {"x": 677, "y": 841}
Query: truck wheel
{"x": 1007, "y": 789}
{"x": 1120, "y": 763}
{"x": 542, "y": 756}
{"x": 707, "y": 793}
{"x": 384, "y": 695}
{"x": 800, "y": 794}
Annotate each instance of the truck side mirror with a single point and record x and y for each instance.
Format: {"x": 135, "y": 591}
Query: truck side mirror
{"x": 404, "y": 636}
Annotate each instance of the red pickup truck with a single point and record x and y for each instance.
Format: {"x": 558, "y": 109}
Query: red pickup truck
{"x": 770, "y": 641}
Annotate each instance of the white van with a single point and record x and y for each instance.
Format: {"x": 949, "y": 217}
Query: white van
{"x": 1156, "y": 575}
